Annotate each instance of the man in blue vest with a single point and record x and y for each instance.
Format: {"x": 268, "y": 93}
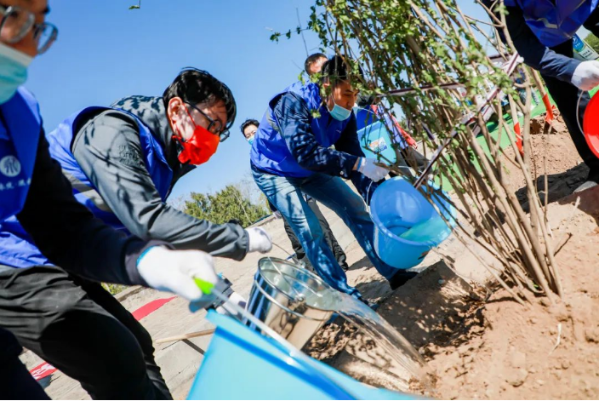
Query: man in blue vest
{"x": 249, "y": 128}
{"x": 292, "y": 154}
{"x": 85, "y": 340}
{"x": 542, "y": 32}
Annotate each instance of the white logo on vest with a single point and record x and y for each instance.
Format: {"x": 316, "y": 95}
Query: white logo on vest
{"x": 10, "y": 166}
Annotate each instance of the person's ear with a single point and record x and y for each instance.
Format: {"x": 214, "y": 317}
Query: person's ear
{"x": 175, "y": 110}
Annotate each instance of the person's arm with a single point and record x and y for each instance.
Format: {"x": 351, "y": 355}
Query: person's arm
{"x": 534, "y": 53}
{"x": 108, "y": 150}
{"x": 293, "y": 117}
{"x": 67, "y": 233}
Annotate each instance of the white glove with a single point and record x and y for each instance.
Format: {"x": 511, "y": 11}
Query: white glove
{"x": 259, "y": 240}
{"x": 586, "y": 75}
{"x": 174, "y": 271}
{"x": 371, "y": 170}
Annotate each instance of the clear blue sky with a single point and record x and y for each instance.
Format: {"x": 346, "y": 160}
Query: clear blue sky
{"x": 106, "y": 51}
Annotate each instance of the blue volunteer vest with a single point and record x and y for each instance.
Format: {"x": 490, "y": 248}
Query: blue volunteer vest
{"x": 554, "y": 21}
{"x": 22, "y": 252}
{"x": 20, "y": 130}
{"x": 269, "y": 150}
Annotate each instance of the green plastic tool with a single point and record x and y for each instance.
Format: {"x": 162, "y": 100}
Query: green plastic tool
{"x": 205, "y": 286}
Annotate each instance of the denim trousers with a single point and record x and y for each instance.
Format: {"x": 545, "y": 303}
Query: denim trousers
{"x": 285, "y": 193}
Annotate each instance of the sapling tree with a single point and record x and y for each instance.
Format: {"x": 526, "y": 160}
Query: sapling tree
{"x": 447, "y": 72}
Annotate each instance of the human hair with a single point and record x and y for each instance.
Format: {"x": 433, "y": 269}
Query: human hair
{"x": 336, "y": 69}
{"x": 196, "y": 86}
{"x": 311, "y": 60}
{"x": 247, "y": 123}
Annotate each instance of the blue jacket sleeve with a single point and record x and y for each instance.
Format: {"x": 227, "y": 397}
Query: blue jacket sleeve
{"x": 293, "y": 117}
{"x": 535, "y": 54}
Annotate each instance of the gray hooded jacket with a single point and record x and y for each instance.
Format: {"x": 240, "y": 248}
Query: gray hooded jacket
{"x": 107, "y": 146}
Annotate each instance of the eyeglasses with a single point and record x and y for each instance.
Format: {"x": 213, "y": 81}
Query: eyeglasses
{"x": 215, "y": 126}
{"x": 16, "y": 22}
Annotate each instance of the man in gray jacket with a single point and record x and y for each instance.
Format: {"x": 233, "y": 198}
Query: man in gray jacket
{"x": 125, "y": 153}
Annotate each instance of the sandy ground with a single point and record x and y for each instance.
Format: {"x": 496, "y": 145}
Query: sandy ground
{"x": 500, "y": 349}
{"x": 478, "y": 342}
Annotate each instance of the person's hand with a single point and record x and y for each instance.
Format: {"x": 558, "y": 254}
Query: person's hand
{"x": 586, "y": 75}
{"x": 371, "y": 170}
{"x": 259, "y": 240}
{"x": 174, "y": 271}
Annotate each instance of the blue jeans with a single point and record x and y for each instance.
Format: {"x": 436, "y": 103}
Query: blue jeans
{"x": 286, "y": 194}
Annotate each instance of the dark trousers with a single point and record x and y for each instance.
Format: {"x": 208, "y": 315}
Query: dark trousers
{"x": 82, "y": 330}
{"x": 16, "y": 383}
{"x": 328, "y": 236}
{"x": 566, "y": 95}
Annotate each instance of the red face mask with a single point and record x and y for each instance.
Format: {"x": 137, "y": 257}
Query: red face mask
{"x": 200, "y": 147}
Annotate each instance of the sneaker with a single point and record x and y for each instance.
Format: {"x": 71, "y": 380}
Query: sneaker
{"x": 400, "y": 278}
{"x": 586, "y": 185}
{"x": 591, "y": 181}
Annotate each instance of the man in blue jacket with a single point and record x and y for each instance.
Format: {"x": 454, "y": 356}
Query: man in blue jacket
{"x": 36, "y": 197}
{"x": 249, "y": 128}
{"x": 542, "y": 32}
{"x": 292, "y": 154}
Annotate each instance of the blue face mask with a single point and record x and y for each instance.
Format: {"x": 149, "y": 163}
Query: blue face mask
{"x": 340, "y": 113}
{"x": 13, "y": 71}
{"x": 251, "y": 139}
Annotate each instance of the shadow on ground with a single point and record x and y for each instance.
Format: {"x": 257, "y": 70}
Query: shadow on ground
{"x": 560, "y": 185}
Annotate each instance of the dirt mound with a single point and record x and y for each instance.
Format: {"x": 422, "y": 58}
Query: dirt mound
{"x": 540, "y": 351}
{"x": 480, "y": 343}
{"x": 500, "y": 349}
{"x": 492, "y": 348}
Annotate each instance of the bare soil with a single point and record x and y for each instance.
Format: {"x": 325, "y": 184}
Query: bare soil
{"x": 554, "y": 155}
{"x": 500, "y": 349}
{"x": 478, "y": 342}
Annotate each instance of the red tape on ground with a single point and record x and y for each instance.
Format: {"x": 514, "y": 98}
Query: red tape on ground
{"x": 150, "y": 307}
{"x": 45, "y": 369}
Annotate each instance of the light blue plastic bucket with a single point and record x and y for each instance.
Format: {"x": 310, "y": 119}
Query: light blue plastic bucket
{"x": 244, "y": 365}
{"x": 407, "y": 226}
